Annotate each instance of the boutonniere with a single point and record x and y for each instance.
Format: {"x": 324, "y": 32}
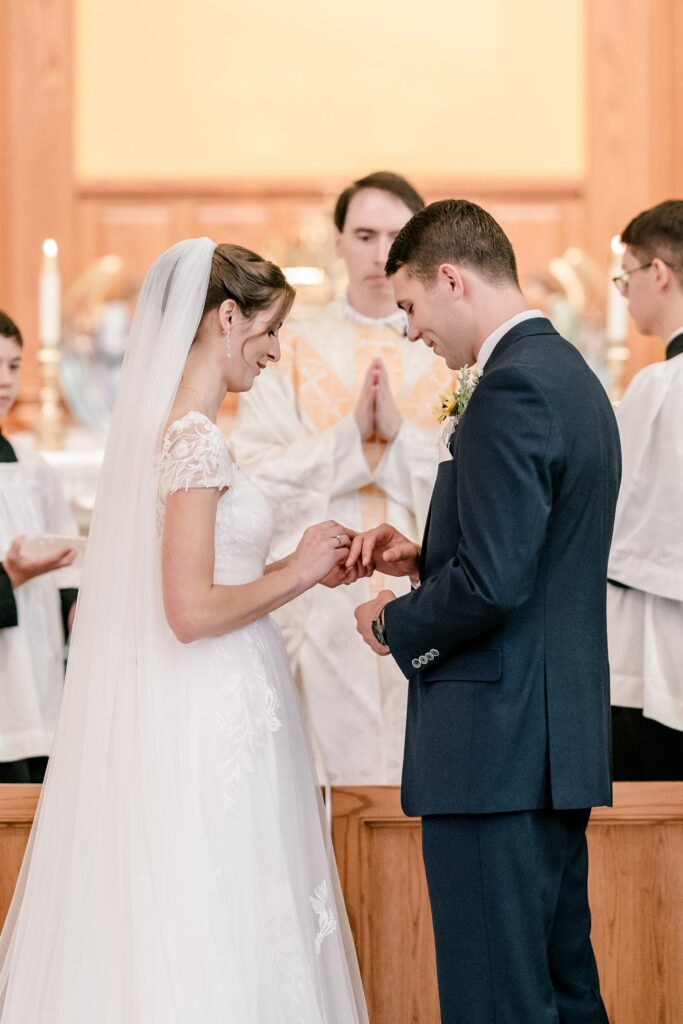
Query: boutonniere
{"x": 452, "y": 403}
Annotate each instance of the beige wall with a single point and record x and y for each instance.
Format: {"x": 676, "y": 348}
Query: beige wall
{"x": 266, "y": 89}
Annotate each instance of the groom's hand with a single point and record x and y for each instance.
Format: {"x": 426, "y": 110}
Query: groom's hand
{"x": 365, "y": 616}
{"x": 387, "y": 550}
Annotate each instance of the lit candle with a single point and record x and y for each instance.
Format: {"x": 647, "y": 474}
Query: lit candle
{"x": 616, "y": 326}
{"x": 50, "y": 318}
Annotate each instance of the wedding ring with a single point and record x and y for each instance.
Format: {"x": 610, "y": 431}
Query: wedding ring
{"x": 338, "y": 538}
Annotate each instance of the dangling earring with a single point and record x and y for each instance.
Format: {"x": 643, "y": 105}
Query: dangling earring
{"x": 228, "y": 342}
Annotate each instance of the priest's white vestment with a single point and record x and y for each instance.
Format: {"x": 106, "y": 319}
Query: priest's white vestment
{"x": 297, "y": 437}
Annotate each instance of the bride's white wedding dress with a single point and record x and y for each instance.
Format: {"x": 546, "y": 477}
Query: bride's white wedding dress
{"x": 180, "y": 869}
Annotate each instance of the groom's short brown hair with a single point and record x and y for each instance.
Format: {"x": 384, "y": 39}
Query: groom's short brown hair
{"x": 454, "y": 231}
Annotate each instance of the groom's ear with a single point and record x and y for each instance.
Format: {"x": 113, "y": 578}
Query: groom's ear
{"x": 449, "y": 275}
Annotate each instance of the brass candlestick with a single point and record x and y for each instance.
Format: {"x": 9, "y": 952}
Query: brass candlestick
{"x": 50, "y": 422}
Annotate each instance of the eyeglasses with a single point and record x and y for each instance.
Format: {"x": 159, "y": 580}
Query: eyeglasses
{"x": 621, "y": 280}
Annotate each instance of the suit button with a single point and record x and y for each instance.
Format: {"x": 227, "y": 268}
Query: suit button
{"x": 434, "y": 652}
{"x": 423, "y": 659}
{"x": 429, "y": 656}
{"x": 416, "y": 663}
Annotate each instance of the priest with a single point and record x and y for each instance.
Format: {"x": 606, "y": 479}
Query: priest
{"x": 645, "y": 599}
{"x": 344, "y": 428}
{"x": 34, "y": 612}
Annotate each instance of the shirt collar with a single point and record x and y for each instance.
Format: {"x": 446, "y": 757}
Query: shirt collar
{"x": 398, "y": 321}
{"x": 674, "y": 345}
{"x": 500, "y": 332}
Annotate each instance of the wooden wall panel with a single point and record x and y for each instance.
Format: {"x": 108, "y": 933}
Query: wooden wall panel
{"x": 17, "y": 808}
{"x": 634, "y": 94}
{"x": 636, "y": 889}
{"x": 635, "y": 105}
{"x": 379, "y": 855}
{"x": 137, "y": 221}
{"x": 36, "y": 146}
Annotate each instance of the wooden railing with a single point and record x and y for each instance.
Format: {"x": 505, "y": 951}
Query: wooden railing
{"x": 636, "y": 887}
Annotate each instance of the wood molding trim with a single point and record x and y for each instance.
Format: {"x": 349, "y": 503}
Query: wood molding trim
{"x": 552, "y": 189}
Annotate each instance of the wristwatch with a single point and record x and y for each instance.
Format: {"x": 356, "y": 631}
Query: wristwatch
{"x": 378, "y": 630}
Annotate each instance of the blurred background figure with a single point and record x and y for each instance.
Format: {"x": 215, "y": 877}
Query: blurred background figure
{"x": 35, "y": 613}
{"x": 344, "y": 428}
{"x": 97, "y": 314}
{"x": 570, "y": 291}
{"x": 645, "y": 600}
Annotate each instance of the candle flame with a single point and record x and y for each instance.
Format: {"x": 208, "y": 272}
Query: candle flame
{"x": 50, "y": 248}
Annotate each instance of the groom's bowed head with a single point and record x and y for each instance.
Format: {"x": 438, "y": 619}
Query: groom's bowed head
{"x": 454, "y": 273}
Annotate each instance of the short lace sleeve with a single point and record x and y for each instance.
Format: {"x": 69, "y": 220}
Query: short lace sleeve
{"x": 193, "y": 454}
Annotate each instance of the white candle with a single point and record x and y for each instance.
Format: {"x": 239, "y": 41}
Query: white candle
{"x": 616, "y": 326}
{"x": 50, "y": 315}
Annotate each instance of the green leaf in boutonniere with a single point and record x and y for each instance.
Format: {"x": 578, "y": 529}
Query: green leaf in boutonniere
{"x": 452, "y": 403}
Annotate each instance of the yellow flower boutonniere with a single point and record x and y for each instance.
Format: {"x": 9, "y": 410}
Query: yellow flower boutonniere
{"x": 452, "y": 403}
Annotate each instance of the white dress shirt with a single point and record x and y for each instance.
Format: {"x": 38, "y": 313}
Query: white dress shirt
{"x": 500, "y": 332}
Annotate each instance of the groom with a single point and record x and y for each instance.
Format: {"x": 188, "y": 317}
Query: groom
{"x": 503, "y": 638}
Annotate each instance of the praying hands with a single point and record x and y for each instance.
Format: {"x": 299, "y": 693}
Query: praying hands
{"x": 376, "y": 411}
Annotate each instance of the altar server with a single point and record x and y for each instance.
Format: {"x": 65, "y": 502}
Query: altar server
{"x": 33, "y": 610}
{"x": 645, "y": 601}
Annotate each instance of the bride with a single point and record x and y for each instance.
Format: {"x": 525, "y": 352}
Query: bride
{"x": 178, "y": 870}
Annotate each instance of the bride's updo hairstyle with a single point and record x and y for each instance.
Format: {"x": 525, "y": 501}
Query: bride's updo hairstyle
{"x": 252, "y": 282}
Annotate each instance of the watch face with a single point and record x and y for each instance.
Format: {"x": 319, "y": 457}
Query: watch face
{"x": 378, "y": 632}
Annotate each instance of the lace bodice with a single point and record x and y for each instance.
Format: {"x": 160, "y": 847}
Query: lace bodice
{"x": 194, "y": 454}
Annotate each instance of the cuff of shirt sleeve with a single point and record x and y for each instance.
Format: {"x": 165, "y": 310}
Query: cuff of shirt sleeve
{"x": 8, "y": 606}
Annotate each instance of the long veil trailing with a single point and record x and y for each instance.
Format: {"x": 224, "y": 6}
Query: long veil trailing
{"x": 115, "y": 914}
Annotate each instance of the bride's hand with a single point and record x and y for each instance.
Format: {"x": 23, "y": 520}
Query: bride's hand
{"x": 322, "y": 549}
{"x": 340, "y": 574}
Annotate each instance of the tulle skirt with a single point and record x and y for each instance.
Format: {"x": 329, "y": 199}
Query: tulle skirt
{"x": 206, "y": 892}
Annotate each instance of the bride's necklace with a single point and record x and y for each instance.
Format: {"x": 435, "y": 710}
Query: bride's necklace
{"x": 200, "y": 396}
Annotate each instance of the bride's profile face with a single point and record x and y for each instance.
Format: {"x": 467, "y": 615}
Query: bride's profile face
{"x": 253, "y": 344}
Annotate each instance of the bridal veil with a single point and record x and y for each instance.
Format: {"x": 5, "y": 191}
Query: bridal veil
{"x": 115, "y": 917}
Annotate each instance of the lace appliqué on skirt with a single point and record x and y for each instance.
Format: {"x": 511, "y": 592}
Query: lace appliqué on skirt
{"x": 248, "y": 714}
{"x": 327, "y": 922}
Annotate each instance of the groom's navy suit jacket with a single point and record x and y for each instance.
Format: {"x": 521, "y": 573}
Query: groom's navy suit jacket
{"x": 509, "y": 708}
